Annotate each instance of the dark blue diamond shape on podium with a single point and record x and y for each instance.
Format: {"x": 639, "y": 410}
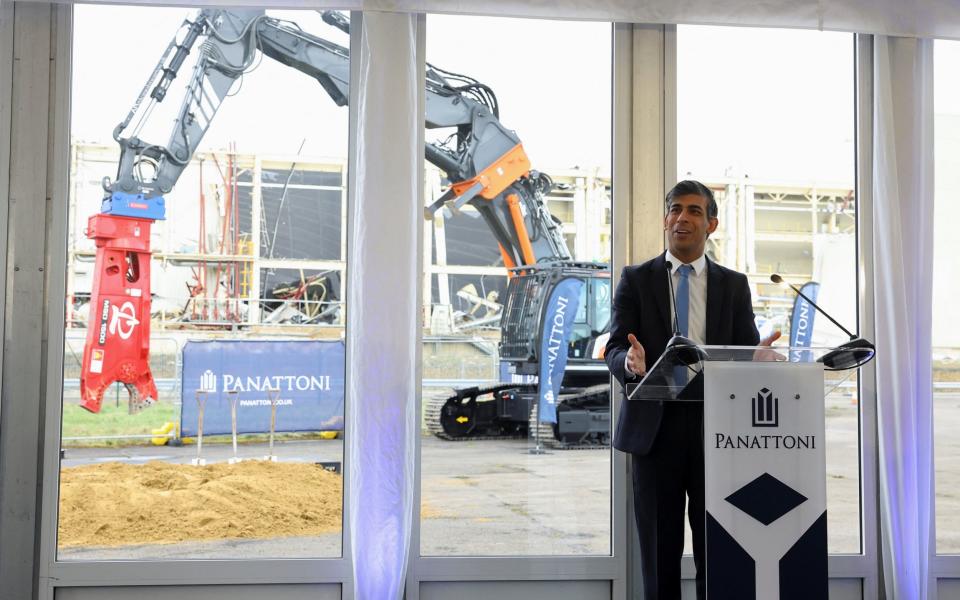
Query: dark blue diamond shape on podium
{"x": 766, "y": 498}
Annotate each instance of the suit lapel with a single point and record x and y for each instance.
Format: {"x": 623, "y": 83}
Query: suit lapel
{"x": 661, "y": 292}
{"x": 715, "y": 296}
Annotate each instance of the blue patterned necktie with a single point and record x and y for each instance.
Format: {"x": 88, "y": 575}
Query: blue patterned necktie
{"x": 683, "y": 316}
{"x": 683, "y": 300}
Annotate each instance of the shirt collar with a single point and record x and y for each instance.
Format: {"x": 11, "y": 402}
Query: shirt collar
{"x": 699, "y": 265}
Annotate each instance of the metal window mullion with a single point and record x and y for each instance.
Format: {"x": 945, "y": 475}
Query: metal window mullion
{"x": 6, "y": 96}
{"x": 55, "y": 574}
{"x": 514, "y": 568}
{"x": 24, "y": 312}
{"x": 670, "y": 156}
{"x": 622, "y": 185}
{"x": 652, "y": 166}
{"x": 869, "y": 458}
{"x": 356, "y": 29}
{"x": 198, "y": 572}
{"x": 412, "y": 583}
{"x": 649, "y": 162}
{"x": 58, "y": 178}
{"x": 559, "y": 568}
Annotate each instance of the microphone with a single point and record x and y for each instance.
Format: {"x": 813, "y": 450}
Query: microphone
{"x": 853, "y": 353}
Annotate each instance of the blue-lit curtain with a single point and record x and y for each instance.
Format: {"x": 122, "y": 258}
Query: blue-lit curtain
{"x": 382, "y": 311}
{"x": 903, "y": 267}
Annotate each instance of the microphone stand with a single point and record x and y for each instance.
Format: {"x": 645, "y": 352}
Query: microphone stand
{"x": 855, "y": 352}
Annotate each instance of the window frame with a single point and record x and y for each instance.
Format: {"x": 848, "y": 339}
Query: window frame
{"x": 943, "y": 566}
{"x": 337, "y": 571}
{"x": 864, "y": 566}
{"x": 613, "y": 568}
{"x": 636, "y": 153}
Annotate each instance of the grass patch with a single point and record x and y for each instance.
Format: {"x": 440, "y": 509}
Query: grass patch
{"x": 256, "y": 438}
{"x": 112, "y": 421}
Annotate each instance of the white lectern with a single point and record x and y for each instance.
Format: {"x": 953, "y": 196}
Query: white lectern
{"x": 764, "y": 460}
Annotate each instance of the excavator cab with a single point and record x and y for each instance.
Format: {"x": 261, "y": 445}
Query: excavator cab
{"x": 522, "y": 324}
{"x": 508, "y": 409}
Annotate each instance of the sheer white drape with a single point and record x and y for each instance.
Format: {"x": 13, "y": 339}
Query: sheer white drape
{"x": 382, "y": 311}
{"x": 920, "y": 18}
{"x": 903, "y": 264}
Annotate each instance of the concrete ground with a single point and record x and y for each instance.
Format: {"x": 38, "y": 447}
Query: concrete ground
{"x": 493, "y": 497}
{"x": 946, "y": 424}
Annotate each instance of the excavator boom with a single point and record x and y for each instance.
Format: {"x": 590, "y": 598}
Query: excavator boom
{"x": 484, "y": 161}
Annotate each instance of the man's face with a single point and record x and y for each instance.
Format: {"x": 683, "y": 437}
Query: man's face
{"x": 688, "y": 226}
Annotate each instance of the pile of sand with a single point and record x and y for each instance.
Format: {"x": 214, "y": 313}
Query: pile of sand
{"x": 115, "y": 504}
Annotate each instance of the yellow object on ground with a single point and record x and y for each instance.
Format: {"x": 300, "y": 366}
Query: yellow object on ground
{"x": 328, "y": 435}
{"x": 163, "y": 434}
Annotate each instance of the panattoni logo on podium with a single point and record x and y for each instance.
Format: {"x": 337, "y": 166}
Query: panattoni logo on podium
{"x": 766, "y": 409}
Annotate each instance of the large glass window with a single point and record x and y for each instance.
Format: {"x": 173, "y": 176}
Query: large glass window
{"x": 241, "y": 287}
{"x": 496, "y": 479}
{"x": 946, "y": 274}
{"x": 766, "y": 119}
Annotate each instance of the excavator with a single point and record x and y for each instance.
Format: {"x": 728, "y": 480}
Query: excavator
{"x": 486, "y": 167}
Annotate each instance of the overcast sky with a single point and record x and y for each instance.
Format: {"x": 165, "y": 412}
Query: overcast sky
{"x": 773, "y": 105}
{"x": 770, "y": 104}
{"x": 946, "y": 84}
{"x": 554, "y": 93}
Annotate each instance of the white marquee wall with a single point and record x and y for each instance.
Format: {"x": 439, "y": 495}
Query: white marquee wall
{"x": 34, "y": 104}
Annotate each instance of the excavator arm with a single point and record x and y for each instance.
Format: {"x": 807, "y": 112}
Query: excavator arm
{"x": 486, "y": 166}
{"x": 228, "y": 42}
{"x": 484, "y": 162}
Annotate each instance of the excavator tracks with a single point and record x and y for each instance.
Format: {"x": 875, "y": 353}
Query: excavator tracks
{"x": 434, "y": 415}
{"x": 463, "y": 423}
{"x": 594, "y": 395}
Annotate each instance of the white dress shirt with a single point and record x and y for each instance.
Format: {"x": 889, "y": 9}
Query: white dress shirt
{"x": 697, "y": 307}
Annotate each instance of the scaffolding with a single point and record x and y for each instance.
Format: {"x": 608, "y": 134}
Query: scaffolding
{"x": 211, "y": 273}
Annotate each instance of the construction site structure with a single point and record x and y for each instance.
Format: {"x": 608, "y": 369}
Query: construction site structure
{"x": 243, "y": 195}
{"x": 209, "y": 273}
{"x": 765, "y": 227}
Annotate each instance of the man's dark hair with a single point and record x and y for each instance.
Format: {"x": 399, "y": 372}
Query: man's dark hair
{"x": 689, "y": 187}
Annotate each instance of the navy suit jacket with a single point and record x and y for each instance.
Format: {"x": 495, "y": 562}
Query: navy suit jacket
{"x": 641, "y": 306}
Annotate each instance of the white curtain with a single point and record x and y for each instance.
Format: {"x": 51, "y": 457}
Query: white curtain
{"x": 919, "y": 18}
{"x": 903, "y": 255}
{"x": 382, "y": 312}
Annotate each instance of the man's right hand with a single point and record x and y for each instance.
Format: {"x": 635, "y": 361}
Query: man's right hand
{"x": 636, "y": 358}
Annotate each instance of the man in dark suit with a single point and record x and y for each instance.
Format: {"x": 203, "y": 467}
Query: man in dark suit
{"x": 665, "y": 439}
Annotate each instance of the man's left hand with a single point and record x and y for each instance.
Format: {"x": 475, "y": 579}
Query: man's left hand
{"x": 764, "y": 355}
{"x": 770, "y": 339}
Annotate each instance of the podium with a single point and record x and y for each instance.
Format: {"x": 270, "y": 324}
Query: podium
{"x": 764, "y": 461}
